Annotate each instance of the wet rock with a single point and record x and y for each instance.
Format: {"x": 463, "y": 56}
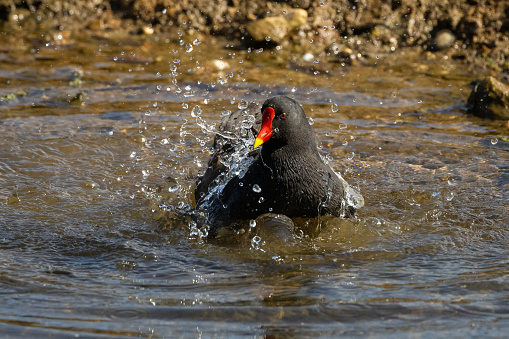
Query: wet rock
{"x": 308, "y": 57}
{"x": 79, "y": 98}
{"x": 277, "y": 28}
{"x": 219, "y": 65}
{"x": 147, "y": 30}
{"x": 443, "y": 40}
{"x": 490, "y": 99}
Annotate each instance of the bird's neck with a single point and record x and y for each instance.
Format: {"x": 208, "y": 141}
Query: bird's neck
{"x": 288, "y": 155}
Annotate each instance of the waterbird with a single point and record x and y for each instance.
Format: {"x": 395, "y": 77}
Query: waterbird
{"x": 267, "y": 161}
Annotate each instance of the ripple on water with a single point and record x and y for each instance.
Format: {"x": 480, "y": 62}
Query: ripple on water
{"x": 84, "y": 228}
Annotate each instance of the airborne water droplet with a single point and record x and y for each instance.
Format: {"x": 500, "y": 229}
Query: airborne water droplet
{"x": 196, "y": 112}
{"x": 189, "y": 48}
{"x": 242, "y": 104}
{"x": 255, "y": 242}
{"x": 494, "y": 141}
{"x": 449, "y": 195}
{"x": 334, "y": 108}
{"x": 256, "y": 188}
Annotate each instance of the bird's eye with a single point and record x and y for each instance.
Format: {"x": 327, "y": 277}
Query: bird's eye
{"x": 283, "y": 116}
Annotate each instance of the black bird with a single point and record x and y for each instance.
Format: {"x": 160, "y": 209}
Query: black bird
{"x": 281, "y": 173}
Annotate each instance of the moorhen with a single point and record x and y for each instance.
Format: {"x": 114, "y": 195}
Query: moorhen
{"x": 280, "y": 172}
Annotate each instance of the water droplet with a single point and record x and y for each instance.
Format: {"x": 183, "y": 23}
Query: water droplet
{"x": 342, "y": 126}
{"x": 261, "y": 200}
{"x": 252, "y": 223}
{"x": 255, "y": 242}
{"x": 334, "y": 108}
{"x": 242, "y": 104}
{"x": 494, "y": 141}
{"x": 256, "y": 188}
{"x": 173, "y": 188}
{"x": 449, "y": 195}
{"x": 146, "y": 173}
{"x": 185, "y": 106}
{"x": 196, "y": 111}
{"x": 351, "y": 155}
{"x": 267, "y": 38}
{"x": 189, "y": 48}
{"x": 311, "y": 121}
{"x": 196, "y": 42}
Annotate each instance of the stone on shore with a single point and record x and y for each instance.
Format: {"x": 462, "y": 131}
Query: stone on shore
{"x": 490, "y": 99}
{"x": 277, "y": 28}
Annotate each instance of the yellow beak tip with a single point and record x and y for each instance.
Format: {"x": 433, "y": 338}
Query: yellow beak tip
{"x": 257, "y": 143}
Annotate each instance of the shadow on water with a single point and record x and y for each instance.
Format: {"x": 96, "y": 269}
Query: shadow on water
{"x": 93, "y": 177}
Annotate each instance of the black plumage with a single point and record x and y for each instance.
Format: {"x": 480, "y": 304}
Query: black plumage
{"x": 286, "y": 176}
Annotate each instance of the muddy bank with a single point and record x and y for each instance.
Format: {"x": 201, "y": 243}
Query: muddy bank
{"x": 474, "y": 32}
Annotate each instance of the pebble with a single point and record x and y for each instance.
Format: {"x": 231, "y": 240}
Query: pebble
{"x": 276, "y": 28}
{"x": 147, "y": 30}
{"x": 490, "y": 99}
{"x": 308, "y": 57}
{"x": 443, "y": 40}
{"x": 219, "y": 65}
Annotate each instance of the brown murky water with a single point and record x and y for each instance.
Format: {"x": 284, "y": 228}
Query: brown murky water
{"x": 95, "y": 163}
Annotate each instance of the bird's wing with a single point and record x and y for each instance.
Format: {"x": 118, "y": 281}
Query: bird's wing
{"x": 239, "y": 126}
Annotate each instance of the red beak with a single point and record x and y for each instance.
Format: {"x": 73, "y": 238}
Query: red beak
{"x": 266, "y": 130}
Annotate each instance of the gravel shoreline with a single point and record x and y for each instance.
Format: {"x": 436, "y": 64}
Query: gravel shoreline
{"x": 471, "y": 32}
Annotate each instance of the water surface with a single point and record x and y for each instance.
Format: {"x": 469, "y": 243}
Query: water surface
{"x": 100, "y": 149}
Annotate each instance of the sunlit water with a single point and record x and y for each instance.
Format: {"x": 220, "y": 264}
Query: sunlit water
{"x": 92, "y": 241}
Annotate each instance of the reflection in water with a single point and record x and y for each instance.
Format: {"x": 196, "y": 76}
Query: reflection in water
{"x": 92, "y": 241}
